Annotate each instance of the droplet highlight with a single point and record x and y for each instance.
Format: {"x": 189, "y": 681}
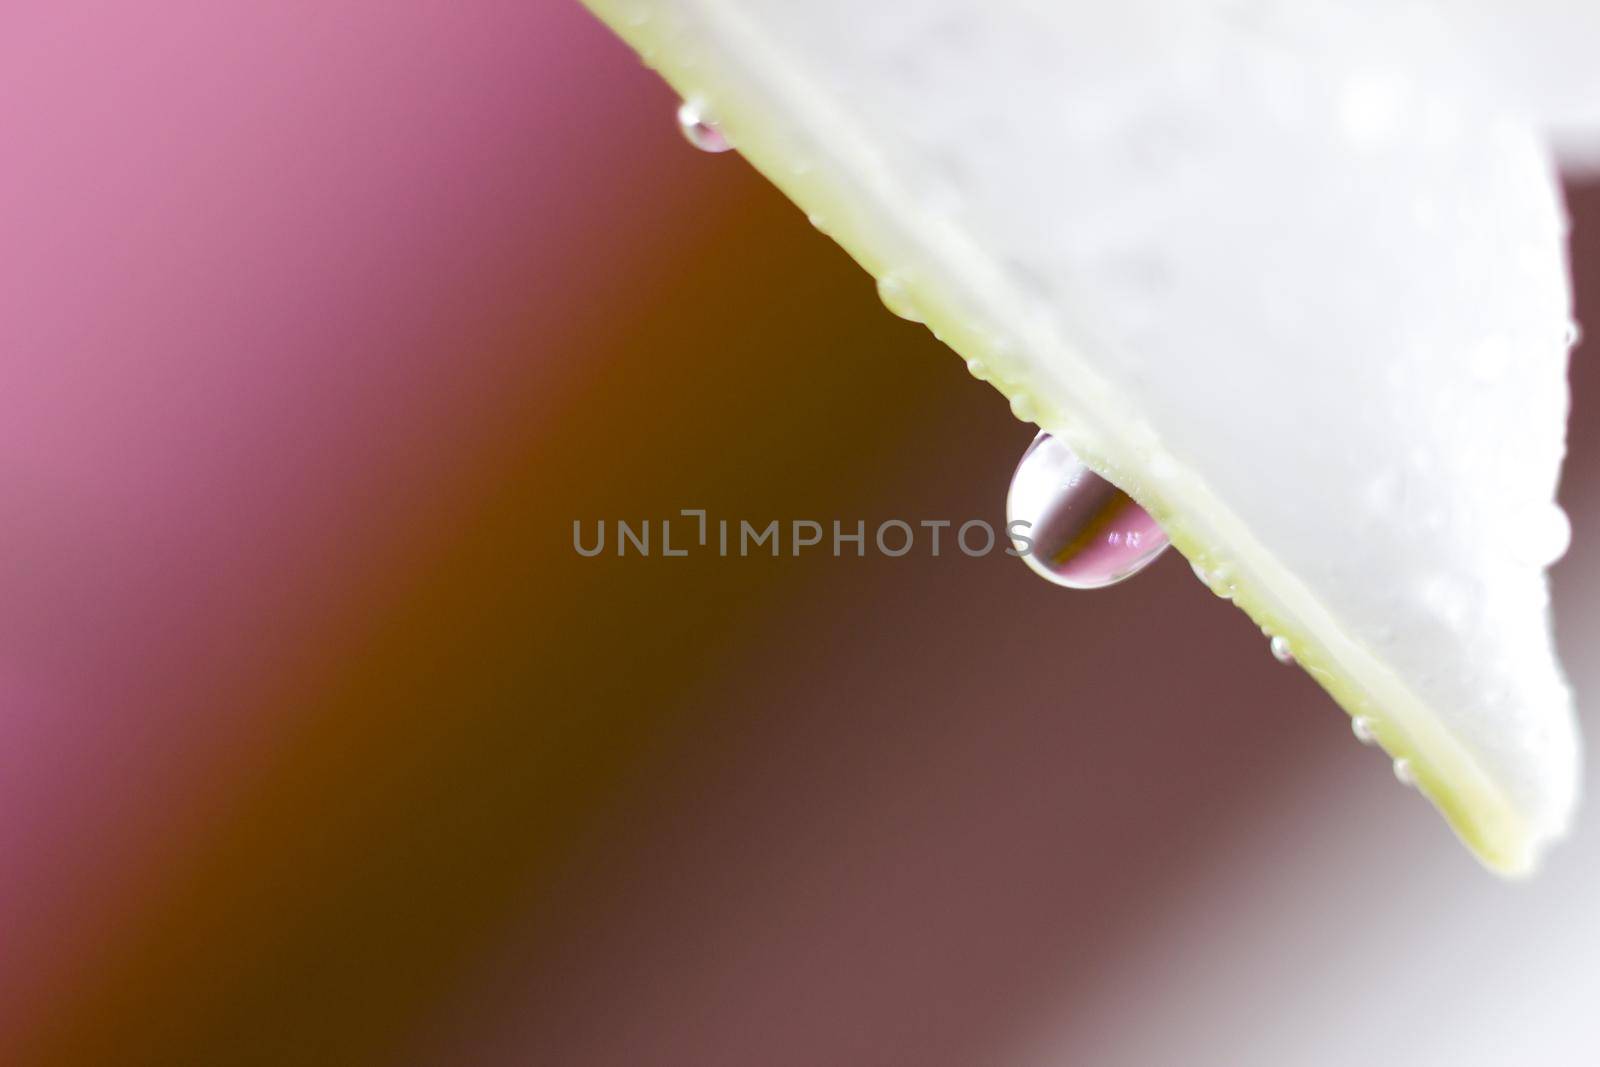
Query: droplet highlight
{"x": 700, "y": 129}
{"x": 1281, "y": 650}
{"x": 1218, "y": 581}
{"x": 1362, "y": 727}
{"x": 897, "y": 298}
{"x": 1083, "y": 532}
{"x": 1404, "y": 773}
{"x": 1549, "y": 535}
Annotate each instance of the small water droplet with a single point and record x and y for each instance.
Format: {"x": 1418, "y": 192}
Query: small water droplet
{"x": 700, "y": 129}
{"x": 1215, "y": 580}
{"x": 1557, "y": 534}
{"x": 1546, "y": 537}
{"x": 1361, "y": 726}
{"x": 818, "y": 222}
{"x": 976, "y": 368}
{"x": 897, "y": 298}
{"x": 1022, "y": 407}
{"x": 1085, "y": 532}
{"x": 1281, "y": 651}
{"x": 1573, "y": 334}
{"x": 1404, "y": 772}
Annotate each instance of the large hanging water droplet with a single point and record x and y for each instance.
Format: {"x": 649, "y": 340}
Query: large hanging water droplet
{"x": 1085, "y": 532}
{"x": 700, "y": 129}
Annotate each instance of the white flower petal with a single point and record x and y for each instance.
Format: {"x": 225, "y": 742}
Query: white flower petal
{"x": 1271, "y": 268}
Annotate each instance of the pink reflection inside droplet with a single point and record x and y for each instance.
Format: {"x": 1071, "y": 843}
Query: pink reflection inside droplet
{"x": 1085, "y": 532}
{"x": 700, "y": 130}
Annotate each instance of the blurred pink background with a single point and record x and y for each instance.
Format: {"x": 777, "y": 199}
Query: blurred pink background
{"x": 320, "y": 323}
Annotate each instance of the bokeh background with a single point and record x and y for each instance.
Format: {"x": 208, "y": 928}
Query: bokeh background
{"x": 320, "y": 323}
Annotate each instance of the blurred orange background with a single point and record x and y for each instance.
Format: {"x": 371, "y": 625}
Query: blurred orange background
{"x": 319, "y": 326}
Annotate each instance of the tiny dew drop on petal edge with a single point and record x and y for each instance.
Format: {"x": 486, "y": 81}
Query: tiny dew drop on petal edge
{"x": 700, "y": 129}
{"x": 897, "y": 298}
{"x": 1361, "y": 726}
